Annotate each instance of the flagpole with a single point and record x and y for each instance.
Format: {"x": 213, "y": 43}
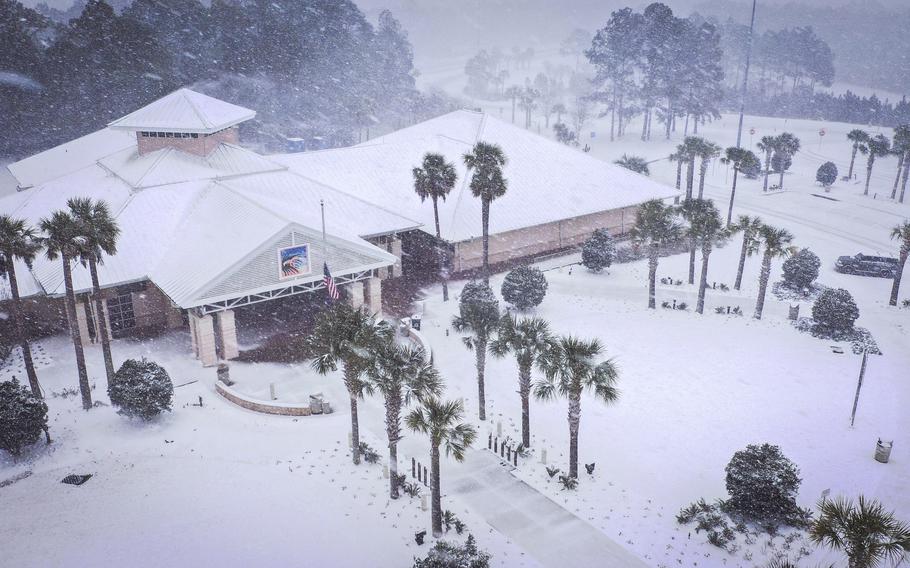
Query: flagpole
{"x": 324, "y": 248}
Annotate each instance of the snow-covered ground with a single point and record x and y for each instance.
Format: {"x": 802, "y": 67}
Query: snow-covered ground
{"x": 218, "y": 484}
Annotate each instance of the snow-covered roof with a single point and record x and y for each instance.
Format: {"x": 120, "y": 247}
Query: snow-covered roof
{"x": 69, "y": 157}
{"x": 188, "y": 221}
{"x": 548, "y": 181}
{"x": 184, "y": 111}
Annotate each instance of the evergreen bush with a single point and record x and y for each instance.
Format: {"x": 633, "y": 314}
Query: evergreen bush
{"x": 835, "y": 311}
{"x": 826, "y": 174}
{"x": 599, "y": 251}
{"x": 763, "y": 485}
{"x": 23, "y": 417}
{"x": 524, "y": 287}
{"x": 801, "y": 269}
{"x": 141, "y": 389}
{"x": 448, "y": 555}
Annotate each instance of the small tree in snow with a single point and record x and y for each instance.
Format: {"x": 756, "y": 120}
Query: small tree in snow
{"x": 141, "y": 389}
{"x": 763, "y": 485}
{"x": 635, "y": 163}
{"x": 801, "y": 269}
{"x": 826, "y": 175}
{"x": 564, "y": 135}
{"x": 835, "y": 311}
{"x": 23, "y": 416}
{"x": 448, "y": 555}
{"x": 599, "y": 251}
{"x": 524, "y": 287}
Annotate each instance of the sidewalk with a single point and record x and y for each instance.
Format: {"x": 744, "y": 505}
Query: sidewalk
{"x": 549, "y": 533}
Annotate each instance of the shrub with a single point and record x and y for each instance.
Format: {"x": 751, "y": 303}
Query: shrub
{"x": 835, "y": 311}
{"x": 368, "y": 453}
{"x": 477, "y": 301}
{"x": 141, "y": 389}
{"x": 801, "y": 269}
{"x": 568, "y": 482}
{"x": 635, "y": 163}
{"x": 524, "y": 287}
{"x": 448, "y": 555}
{"x": 599, "y": 251}
{"x": 826, "y": 174}
{"x": 763, "y": 484}
{"x": 411, "y": 488}
{"x": 23, "y": 417}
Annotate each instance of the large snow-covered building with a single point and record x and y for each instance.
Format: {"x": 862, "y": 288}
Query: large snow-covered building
{"x": 209, "y": 227}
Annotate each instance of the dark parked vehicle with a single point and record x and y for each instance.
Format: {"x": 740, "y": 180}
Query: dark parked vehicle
{"x": 865, "y": 265}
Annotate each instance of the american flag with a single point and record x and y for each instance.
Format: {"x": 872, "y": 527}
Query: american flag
{"x": 329, "y": 282}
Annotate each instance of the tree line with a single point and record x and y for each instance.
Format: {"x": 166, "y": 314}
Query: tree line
{"x": 317, "y": 70}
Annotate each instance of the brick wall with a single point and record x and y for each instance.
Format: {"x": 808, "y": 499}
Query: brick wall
{"x": 201, "y": 146}
{"x": 542, "y": 238}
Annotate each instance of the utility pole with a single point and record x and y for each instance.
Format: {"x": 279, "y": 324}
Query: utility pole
{"x": 859, "y": 385}
{"x": 742, "y": 101}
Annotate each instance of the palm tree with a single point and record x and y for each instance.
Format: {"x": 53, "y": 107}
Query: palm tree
{"x": 879, "y": 147}
{"x": 100, "y": 232}
{"x": 901, "y": 148}
{"x": 441, "y": 421}
{"x": 859, "y": 139}
{"x": 635, "y": 163}
{"x": 400, "y": 374}
{"x": 487, "y": 183}
{"x": 707, "y": 151}
{"x": 479, "y": 316}
{"x": 902, "y": 234}
{"x": 679, "y": 157}
{"x": 513, "y": 93}
{"x": 435, "y": 179}
{"x": 348, "y": 335}
{"x": 710, "y": 232}
{"x": 690, "y": 208}
{"x": 558, "y": 109}
{"x": 767, "y": 144}
{"x": 692, "y": 149}
{"x": 571, "y": 368}
{"x": 528, "y": 339}
{"x": 18, "y": 241}
{"x": 776, "y": 244}
{"x": 63, "y": 238}
{"x": 655, "y": 226}
{"x": 749, "y": 226}
{"x": 742, "y": 160}
{"x": 786, "y": 146}
{"x": 865, "y": 531}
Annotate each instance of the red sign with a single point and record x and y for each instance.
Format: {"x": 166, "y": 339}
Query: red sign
{"x": 821, "y": 132}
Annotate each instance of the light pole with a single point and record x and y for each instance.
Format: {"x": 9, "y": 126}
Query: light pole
{"x": 859, "y": 385}
{"x": 742, "y": 102}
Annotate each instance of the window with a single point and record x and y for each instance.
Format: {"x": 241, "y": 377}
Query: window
{"x": 120, "y": 311}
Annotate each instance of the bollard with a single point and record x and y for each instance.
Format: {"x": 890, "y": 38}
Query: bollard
{"x": 496, "y": 445}
{"x": 499, "y": 429}
{"x": 543, "y": 456}
{"x": 502, "y": 450}
{"x": 272, "y": 392}
{"x": 385, "y": 471}
{"x": 419, "y": 471}
{"x": 413, "y": 467}
{"x": 515, "y": 461}
{"x": 490, "y": 441}
{"x": 423, "y": 502}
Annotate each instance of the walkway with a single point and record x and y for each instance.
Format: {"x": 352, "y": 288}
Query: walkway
{"x": 549, "y": 533}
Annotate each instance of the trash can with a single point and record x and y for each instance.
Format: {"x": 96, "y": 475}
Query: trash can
{"x": 224, "y": 374}
{"x": 883, "y": 451}
{"x": 415, "y": 322}
{"x": 794, "y": 312}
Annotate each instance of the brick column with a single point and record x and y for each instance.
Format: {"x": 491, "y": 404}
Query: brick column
{"x": 82, "y": 322}
{"x": 227, "y": 334}
{"x": 374, "y": 294}
{"x": 205, "y": 339}
{"x": 355, "y": 294}
{"x": 193, "y": 332}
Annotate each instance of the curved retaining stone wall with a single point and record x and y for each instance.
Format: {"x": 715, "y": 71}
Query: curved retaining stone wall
{"x": 295, "y": 408}
{"x": 264, "y": 406}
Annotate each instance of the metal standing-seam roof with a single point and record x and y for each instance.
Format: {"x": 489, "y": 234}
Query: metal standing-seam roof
{"x": 184, "y": 111}
{"x": 548, "y": 181}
